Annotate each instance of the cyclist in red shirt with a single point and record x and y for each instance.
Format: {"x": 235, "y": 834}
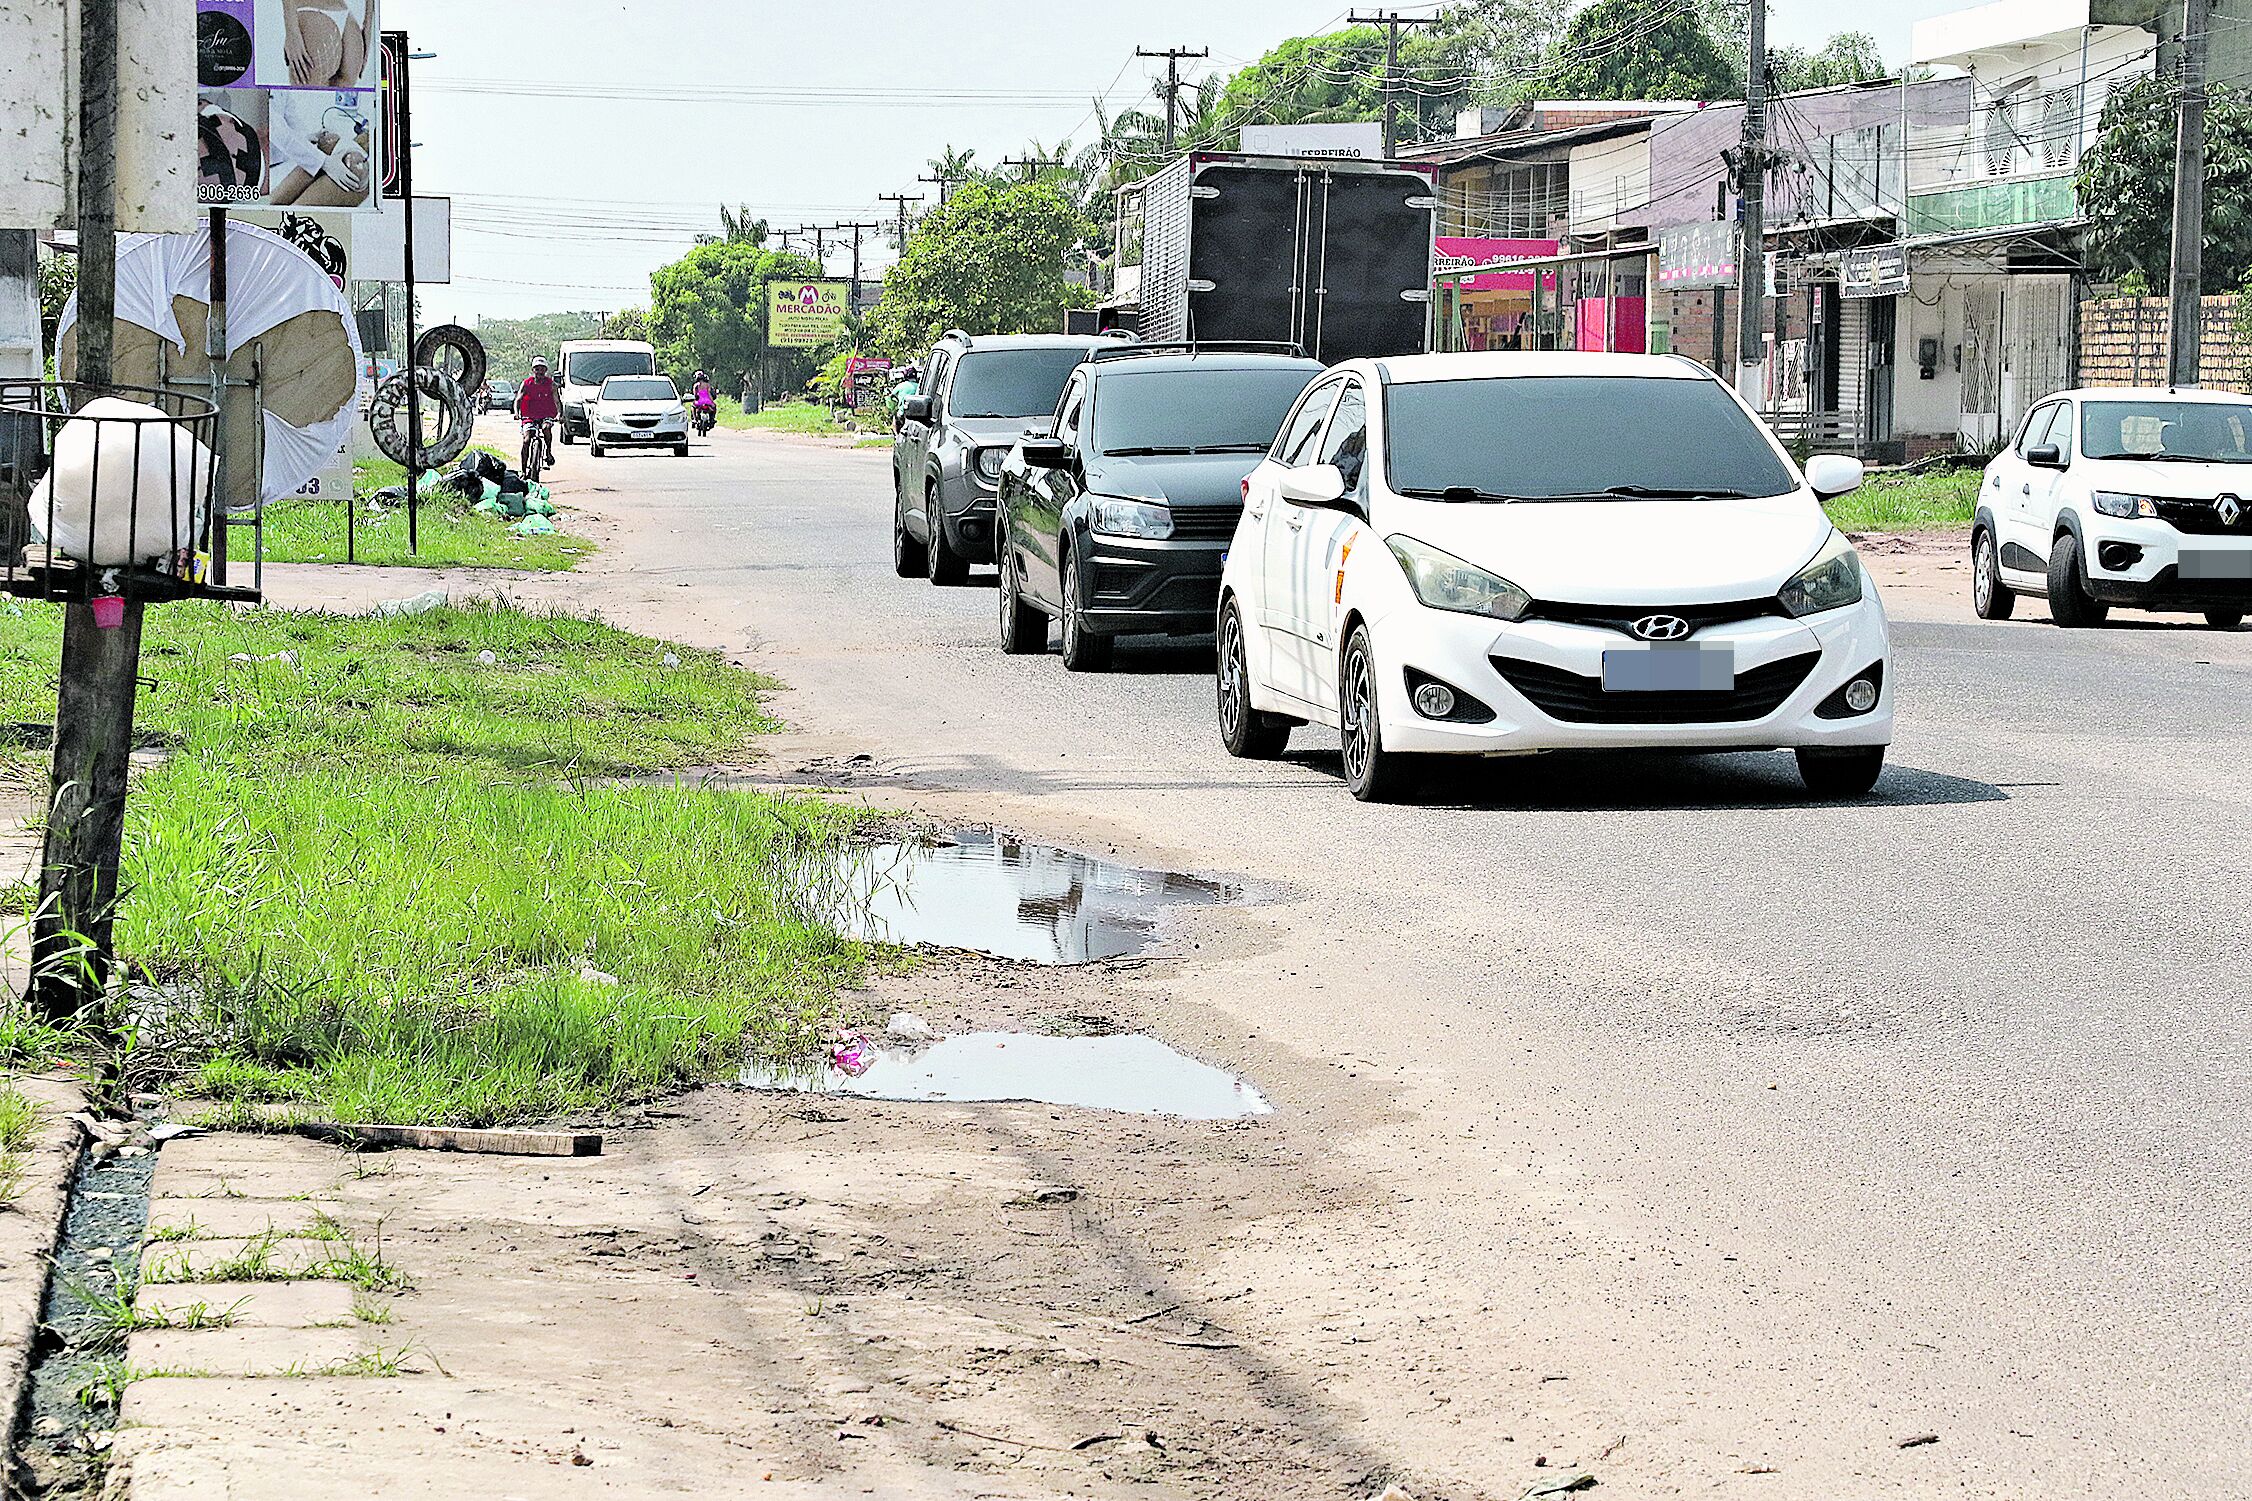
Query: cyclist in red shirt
{"x": 538, "y": 404}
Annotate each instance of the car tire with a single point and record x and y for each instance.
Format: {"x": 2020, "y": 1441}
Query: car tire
{"x": 2224, "y": 620}
{"x": 1372, "y": 773}
{"x": 680, "y": 451}
{"x": 1024, "y": 630}
{"x": 595, "y": 450}
{"x": 2070, "y": 603}
{"x": 947, "y": 567}
{"x": 1990, "y": 597}
{"x": 1835, "y": 774}
{"x": 907, "y": 558}
{"x": 568, "y": 440}
{"x": 1083, "y": 650}
{"x": 1248, "y": 733}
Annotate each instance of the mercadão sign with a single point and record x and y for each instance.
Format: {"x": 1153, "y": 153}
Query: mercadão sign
{"x": 805, "y": 314}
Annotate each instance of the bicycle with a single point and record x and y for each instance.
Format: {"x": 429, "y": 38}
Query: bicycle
{"x": 539, "y": 450}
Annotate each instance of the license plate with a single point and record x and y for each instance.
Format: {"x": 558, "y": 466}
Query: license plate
{"x": 644, "y": 436}
{"x": 1685, "y": 667}
{"x": 2215, "y": 563}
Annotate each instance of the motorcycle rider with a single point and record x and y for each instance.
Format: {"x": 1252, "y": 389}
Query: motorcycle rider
{"x": 538, "y": 403}
{"x": 707, "y": 405}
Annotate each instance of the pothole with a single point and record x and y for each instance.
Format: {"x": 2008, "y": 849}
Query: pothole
{"x": 78, "y": 1364}
{"x": 1129, "y": 1072}
{"x": 996, "y": 894}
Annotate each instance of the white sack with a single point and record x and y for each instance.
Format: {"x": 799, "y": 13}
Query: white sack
{"x": 106, "y": 504}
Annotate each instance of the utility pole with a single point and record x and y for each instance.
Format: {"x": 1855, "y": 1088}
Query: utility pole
{"x": 1032, "y": 164}
{"x": 821, "y": 246}
{"x": 1751, "y": 189}
{"x": 943, "y": 182}
{"x": 71, "y": 931}
{"x": 2189, "y": 200}
{"x": 901, "y": 200}
{"x": 1392, "y": 21}
{"x": 1173, "y": 57}
{"x": 857, "y": 229}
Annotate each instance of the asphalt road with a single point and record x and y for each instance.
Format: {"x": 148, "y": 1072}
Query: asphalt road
{"x": 1783, "y": 1128}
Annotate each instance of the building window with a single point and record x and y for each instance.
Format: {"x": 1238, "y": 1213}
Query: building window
{"x": 2001, "y": 139}
{"x": 2060, "y": 127}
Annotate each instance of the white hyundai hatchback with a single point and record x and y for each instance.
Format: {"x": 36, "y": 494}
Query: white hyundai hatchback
{"x": 1499, "y": 553}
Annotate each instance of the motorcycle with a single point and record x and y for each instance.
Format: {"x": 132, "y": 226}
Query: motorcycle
{"x": 704, "y": 415}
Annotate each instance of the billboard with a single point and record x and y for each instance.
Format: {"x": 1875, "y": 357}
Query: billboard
{"x": 288, "y": 114}
{"x": 805, "y": 314}
{"x": 1362, "y": 141}
{"x": 1874, "y": 271}
{"x": 1453, "y": 255}
{"x": 1694, "y": 256}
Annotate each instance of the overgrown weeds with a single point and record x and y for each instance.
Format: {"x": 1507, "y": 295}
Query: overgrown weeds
{"x": 19, "y": 1128}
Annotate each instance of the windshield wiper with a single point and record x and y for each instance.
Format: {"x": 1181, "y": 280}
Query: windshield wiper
{"x": 2181, "y": 458}
{"x": 1144, "y": 452}
{"x": 1464, "y": 495}
{"x": 1655, "y": 492}
{"x": 1230, "y": 448}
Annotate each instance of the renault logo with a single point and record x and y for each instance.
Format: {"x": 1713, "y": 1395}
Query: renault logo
{"x": 2230, "y": 509}
{"x": 1660, "y": 628}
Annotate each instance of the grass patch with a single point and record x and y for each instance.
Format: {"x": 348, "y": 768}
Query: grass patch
{"x": 19, "y": 1128}
{"x": 1933, "y": 500}
{"x": 367, "y": 882}
{"x": 799, "y": 417}
{"x": 448, "y": 533}
{"x": 344, "y": 1260}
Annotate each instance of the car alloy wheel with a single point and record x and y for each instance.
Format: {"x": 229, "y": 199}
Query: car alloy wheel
{"x": 907, "y": 558}
{"x": 1244, "y": 730}
{"x": 1356, "y": 705}
{"x": 1083, "y": 650}
{"x": 1990, "y": 597}
{"x": 1024, "y": 630}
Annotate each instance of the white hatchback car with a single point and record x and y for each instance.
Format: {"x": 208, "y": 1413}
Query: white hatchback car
{"x": 1498, "y": 553}
{"x": 2140, "y": 498}
{"x": 637, "y": 411}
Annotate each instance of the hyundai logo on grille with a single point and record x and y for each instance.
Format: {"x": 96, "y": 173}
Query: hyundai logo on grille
{"x": 2230, "y": 509}
{"x": 1660, "y": 628}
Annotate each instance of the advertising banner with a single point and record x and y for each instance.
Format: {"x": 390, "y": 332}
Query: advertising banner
{"x": 867, "y": 378}
{"x": 1695, "y": 256}
{"x": 1359, "y": 141}
{"x": 287, "y": 109}
{"x": 805, "y": 314}
{"x": 1456, "y": 255}
{"x": 1874, "y": 271}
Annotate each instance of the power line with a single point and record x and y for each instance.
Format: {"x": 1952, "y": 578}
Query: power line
{"x": 1173, "y": 57}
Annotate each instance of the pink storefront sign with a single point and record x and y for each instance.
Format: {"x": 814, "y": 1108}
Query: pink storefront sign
{"x": 1456, "y": 255}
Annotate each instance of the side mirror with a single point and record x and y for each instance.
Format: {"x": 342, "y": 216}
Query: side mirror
{"x": 2045, "y": 456}
{"x": 1313, "y": 485}
{"x": 915, "y": 409}
{"x": 1043, "y": 452}
{"x": 1830, "y": 475}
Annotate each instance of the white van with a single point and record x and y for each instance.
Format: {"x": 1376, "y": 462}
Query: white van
{"x": 582, "y": 365}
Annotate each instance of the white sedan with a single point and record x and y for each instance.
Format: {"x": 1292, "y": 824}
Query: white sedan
{"x": 637, "y": 411}
{"x": 1481, "y": 554}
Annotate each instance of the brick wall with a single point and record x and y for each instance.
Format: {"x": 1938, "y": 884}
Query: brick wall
{"x": 2123, "y": 343}
{"x": 1690, "y": 316}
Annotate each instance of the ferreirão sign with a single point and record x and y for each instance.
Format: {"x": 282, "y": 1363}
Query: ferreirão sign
{"x": 805, "y": 314}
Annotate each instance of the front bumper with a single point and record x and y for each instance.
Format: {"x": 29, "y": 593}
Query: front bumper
{"x": 640, "y": 437}
{"x": 1170, "y": 586}
{"x": 1542, "y": 680}
{"x": 2151, "y": 565}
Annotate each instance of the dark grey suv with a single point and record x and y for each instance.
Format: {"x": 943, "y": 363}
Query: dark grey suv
{"x": 979, "y": 396}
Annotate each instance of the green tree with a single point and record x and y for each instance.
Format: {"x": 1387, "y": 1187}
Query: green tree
{"x": 2126, "y": 186}
{"x": 626, "y": 323}
{"x": 1641, "y": 49}
{"x": 995, "y": 259}
{"x": 707, "y": 311}
{"x": 510, "y": 343}
{"x": 1848, "y": 57}
{"x": 58, "y": 278}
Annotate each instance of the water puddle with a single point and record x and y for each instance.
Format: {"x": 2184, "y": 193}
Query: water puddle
{"x": 1127, "y": 1072}
{"x": 1002, "y": 896}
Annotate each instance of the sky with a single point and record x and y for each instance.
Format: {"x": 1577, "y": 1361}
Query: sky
{"x": 630, "y": 121}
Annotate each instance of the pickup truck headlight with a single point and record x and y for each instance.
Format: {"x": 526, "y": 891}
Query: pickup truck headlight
{"x": 988, "y": 463}
{"x": 1131, "y": 518}
{"x": 1443, "y": 581}
{"x": 1831, "y": 582}
{"x": 2113, "y": 503}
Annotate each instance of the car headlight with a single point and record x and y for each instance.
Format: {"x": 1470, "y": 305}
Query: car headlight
{"x": 1131, "y": 518}
{"x": 988, "y": 462}
{"x": 1443, "y": 581}
{"x": 1831, "y": 582}
{"x": 2113, "y": 503}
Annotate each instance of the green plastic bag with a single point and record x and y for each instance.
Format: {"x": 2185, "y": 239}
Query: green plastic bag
{"x": 490, "y": 507}
{"x": 533, "y": 526}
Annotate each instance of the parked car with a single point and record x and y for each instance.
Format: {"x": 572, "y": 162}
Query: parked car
{"x": 1116, "y": 520}
{"x": 1490, "y": 553}
{"x": 977, "y": 398}
{"x": 582, "y": 365}
{"x": 637, "y": 411}
{"x": 500, "y": 396}
{"x": 2138, "y": 498}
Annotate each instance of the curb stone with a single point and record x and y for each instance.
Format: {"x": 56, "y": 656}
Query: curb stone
{"x": 32, "y": 1227}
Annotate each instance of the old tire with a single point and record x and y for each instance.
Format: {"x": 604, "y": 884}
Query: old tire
{"x": 1024, "y": 630}
{"x": 2070, "y": 603}
{"x": 1083, "y": 650}
{"x": 1372, "y": 773}
{"x": 1834, "y": 774}
{"x": 1248, "y": 733}
{"x": 1990, "y": 597}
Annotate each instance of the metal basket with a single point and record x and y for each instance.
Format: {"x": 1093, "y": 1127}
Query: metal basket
{"x": 63, "y": 540}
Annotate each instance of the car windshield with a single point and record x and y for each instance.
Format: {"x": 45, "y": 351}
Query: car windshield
{"x": 1012, "y": 382}
{"x": 1578, "y": 437}
{"x": 1195, "y": 411}
{"x": 638, "y": 388}
{"x": 2182, "y": 432}
{"x": 591, "y": 367}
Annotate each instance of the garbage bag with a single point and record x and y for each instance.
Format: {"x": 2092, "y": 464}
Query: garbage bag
{"x": 533, "y": 526}
{"x": 490, "y": 508}
{"x": 539, "y": 505}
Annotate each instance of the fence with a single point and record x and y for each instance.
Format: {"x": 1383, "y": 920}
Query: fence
{"x": 2123, "y": 343}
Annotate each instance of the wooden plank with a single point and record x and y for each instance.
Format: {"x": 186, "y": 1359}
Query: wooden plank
{"x": 460, "y": 1139}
